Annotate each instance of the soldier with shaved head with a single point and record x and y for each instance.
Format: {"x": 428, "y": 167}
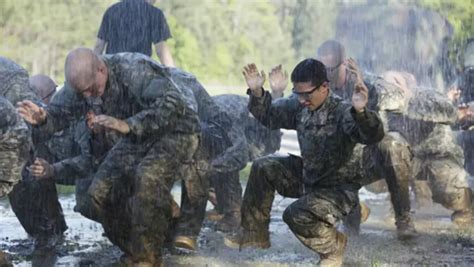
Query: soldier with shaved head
{"x": 158, "y": 126}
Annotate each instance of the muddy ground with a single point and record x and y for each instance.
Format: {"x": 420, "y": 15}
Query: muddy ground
{"x": 439, "y": 243}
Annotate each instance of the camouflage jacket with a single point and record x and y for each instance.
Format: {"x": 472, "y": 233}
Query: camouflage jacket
{"x": 69, "y": 152}
{"x": 261, "y": 141}
{"x": 235, "y": 156}
{"x": 139, "y": 91}
{"x": 326, "y": 136}
{"x": 14, "y": 146}
{"x": 14, "y": 84}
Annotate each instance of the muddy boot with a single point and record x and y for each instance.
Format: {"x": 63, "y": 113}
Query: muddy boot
{"x": 405, "y": 228}
{"x": 230, "y": 223}
{"x": 364, "y": 212}
{"x": 4, "y": 261}
{"x": 335, "y": 259}
{"x": 186, "y": 242}
{"x": 463, "y": 216}
{"x": 248, "y": 239}
{"x": 214, "y": 215}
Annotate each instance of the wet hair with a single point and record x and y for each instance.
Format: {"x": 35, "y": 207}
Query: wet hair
{"x": 334, "y": 48}
{"x": 309, "y": 70}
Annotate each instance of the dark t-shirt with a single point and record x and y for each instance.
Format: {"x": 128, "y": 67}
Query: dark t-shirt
{"x": 133, "y": 26}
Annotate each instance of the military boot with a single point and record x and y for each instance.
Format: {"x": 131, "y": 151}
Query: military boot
{"x": 214, "y": 215}
{"x": 186, "y": 242}
{"x": 230, "y": 223}
{"x": 405, "y": 227}
{"x": 463, "y": 217}
{"x": 335, "y": 259}
{"x": 248, "y": 239}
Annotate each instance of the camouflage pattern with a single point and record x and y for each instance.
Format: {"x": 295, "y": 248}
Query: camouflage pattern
{"x": 35, "y": 202}
{"x": 223, "y": 149}
{"x": 15, "y": 143}
{"x": 324, "y": 178}
{"x": 437, "y": 156}
{"x": 14, "y": 84}
{"x": 389, "y": 159}
{"x": 260, "y": 141}
{"x": 398, "y": 37}
{"x": 164, "y": 127}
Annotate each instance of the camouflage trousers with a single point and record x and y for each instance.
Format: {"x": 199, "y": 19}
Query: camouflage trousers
{"x": 446, "y": 179}
{"x": 196, "y": 183}
{"x": 36, "y": 205}
{"x": 228, "y": 192}
{"x": 312, "y": 217}
{"x": 466, "y": 140}
{"x": 131, "y": 194}
{"x": 389, "y": 160}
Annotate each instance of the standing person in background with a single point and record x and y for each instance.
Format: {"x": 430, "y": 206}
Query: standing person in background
{"x": 134, "y": 26}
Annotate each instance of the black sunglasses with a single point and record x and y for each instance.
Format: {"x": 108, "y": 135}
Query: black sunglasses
{"x": 306, "y": 95}
{"x": 48, "y": 95}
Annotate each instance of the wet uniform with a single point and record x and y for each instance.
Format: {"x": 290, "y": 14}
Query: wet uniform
{"x": 390, "y": 159}
{"x": 14, "y": 147}
{"x": 223, "y": 149}
{"x": 323, "y": 179}
{"x": 437, "y": 157}
{"x": 35, "y": 203}
{"x": 163, "y": 137}
{"x": 261, "y": 141}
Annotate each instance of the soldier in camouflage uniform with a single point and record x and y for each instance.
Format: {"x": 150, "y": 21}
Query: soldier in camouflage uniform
{"x": 261, "y": 141}
{"x": 159, "y": 129}
{"x": 438, "y": 159}
{"x": 34, "y": 203}
{"x": 324, "y": 179}
{"x": 14, "y": 147}
{"x": 389, "y": 159}
{"x": 222, "y": 148}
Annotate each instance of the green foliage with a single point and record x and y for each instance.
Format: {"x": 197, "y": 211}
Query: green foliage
{"x": 213, "y": 39}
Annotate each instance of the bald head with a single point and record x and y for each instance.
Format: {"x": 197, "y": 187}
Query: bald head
{"x": 44, "y": 86}
{"x": 82, "y": 70}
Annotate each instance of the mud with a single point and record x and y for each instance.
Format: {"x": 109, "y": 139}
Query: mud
{"x": 440, "y": 243}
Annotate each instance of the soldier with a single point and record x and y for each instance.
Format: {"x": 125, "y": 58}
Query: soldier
{"x": 389, "y": 159}
{"x": 14, "y": 147}
{"x": 323, "y": 179}
{"x": 260, "y": 141}
{"x": 159, "y": 130}
{"x": 34, "y": 203}
{"x": 438, "y": 159}
{"x": 222, "y": 148}
{"x": 44, "y": 87}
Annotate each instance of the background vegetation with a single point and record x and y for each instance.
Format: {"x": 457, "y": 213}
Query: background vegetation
{"x": 211, "y": 38}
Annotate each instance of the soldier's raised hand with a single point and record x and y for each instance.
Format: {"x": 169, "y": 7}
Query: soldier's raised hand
{"x": 30, "y": 112}
{"x": 354, "y": 70}
{"x": 360, "y": 97}
{"x": 41, "y": 169}
{"x": 278, "y": 80}
{"x": 254, "y": 79}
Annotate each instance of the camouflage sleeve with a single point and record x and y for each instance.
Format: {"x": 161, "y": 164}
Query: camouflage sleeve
{"x": 68, "y": 170}
{"x": 15, "y": 144}
{"x": 65, "y": 107}
{"x": 365, "y": 127}
{"x": 163, "y": 114}
{"x": 235, "y": 157}
{"x": 280, "y": 113}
